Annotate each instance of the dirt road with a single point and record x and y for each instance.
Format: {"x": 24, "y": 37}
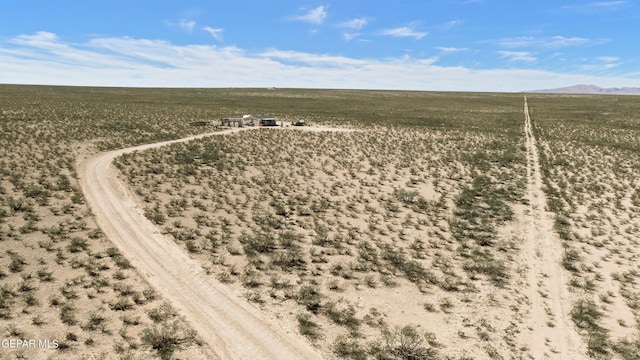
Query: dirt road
{"x": 232, "y": 327}
{"x": 553, "y": 335}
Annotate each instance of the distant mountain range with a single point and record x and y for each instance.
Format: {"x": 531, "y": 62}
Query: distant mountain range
{"x": 590, "y": 89}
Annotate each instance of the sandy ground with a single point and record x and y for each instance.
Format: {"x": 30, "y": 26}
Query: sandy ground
{"x": 236, "y": 330}
{"x": 231, "y": 326}
{"x": 553, "y": 335}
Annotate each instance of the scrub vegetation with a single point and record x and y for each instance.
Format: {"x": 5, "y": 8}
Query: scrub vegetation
{"x": 591, "y": 166}
{"x": 393, "y": 241}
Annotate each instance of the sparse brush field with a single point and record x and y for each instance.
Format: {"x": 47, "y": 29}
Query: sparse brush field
{"x": 60, "y": 279}
{"x": 398, "y": 240}
{"x": 591, "y": 163}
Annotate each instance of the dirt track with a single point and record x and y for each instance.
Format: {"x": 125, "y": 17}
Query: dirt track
{"x": 553, "y": 335}
{"x": 231, "y": 326}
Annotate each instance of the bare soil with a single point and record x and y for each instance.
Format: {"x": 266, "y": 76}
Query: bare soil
{"x": 552, "y": 334}
{"x": 231, "y": 326}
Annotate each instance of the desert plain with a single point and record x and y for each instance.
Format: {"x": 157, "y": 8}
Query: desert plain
{"x": 395, "y": 225}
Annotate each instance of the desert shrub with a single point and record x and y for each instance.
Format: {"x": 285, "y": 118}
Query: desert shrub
{"x": 251, "y": 277}
{"x": 310, "y": 297}
{"x": 628, "y": 349}
{"x": 122, "y": 304}
{"x": 345, "y": 317}
{"x": 167, "y": 338}
{"x": 482, "y": 262}
{"x": 67, "y": 314}
{"x": 155, "y": 214}
{"x": 289, "y": 259}
{"x": 586, "y": 315}
{"x": 349, "y": 348}
{"x": 308, "y": 327}
{"x": 122, "y": 262}
{"x": 77, "y": 244}
{"x": 407, "y": 343}
{"x": 17, "y": 263}
{"x": 259, "y": 243}
{"x": 407, "y": 197}
{"x": 412, "y": 269}
{"x": 96, "y": 321}
{"x": 161, "y": 313}
{"x": 192, "y": 247}
{"x": 570, "y": 259}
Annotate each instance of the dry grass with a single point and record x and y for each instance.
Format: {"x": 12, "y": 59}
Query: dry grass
{"x": 371, "y": 243}
{"x": 350, "y": 233}
{"x": 61, "y": 280}
{"x": 592, "y": 167}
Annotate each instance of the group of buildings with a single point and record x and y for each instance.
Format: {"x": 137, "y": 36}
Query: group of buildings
{"x": 248, "y": 120}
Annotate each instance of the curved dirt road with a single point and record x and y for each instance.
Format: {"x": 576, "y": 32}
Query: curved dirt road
{"x": 231, "y": 326}
{"x": 553, "y": 335}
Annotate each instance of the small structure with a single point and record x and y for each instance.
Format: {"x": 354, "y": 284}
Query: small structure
{"x": 248, "y": 120}
{"x": 201, "y": 123}
{"x": 232, "y": 122}
{"x": 266, "y": 121}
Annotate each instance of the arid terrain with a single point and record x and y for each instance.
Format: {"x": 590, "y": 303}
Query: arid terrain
{"x": 431, "y": 226}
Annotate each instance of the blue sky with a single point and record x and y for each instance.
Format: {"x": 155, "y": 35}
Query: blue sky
{"x": 465, "y": 45}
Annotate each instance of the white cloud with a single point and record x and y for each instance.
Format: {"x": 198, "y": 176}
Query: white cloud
{"x": 451, "y": 24}
{"x": 44, "y": 58}
{"x": 215, "y": 33}
{"x": 602, "y": 63}
{"x": 38, "y": 39}
{"x": 561, "y": 41}
{"x": 350, "y": 36}
{"x": 607, "y": 4}
{"x": 314, "y": 16}
{"x": 550, "y": 42}
{"x": 445, "y": 49}
{"x": 597, "y": 7}
{"x": 312, "y": 59}
{"x": 609, "y": 59}
{"x": 519, "y": 56}
{"x": 404, "y": 31}
{"x": 357, "y": 23}
{"x": 187, "y": 25}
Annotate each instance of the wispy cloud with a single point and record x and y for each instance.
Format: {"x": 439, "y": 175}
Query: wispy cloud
{"x": 215, "y": 33}
{"x": 350, "y": 36}
{"x": 450, "y": 50}
{"x": 314, "y": 16}
{"x": 308, "y": 58}
{"x": 518, "y": 56}
{"x": 44, "y": 58}
{"x": 550, "y": 42}
{"x": 597, "y": 7}
{"x": 41, "y": 39}
{"x": 357, "y": 23}
{"x": 451, "y": 24}
{"x": 404, "y": 31}
{"x": 609, "y": 59}
{"x": 185, "y": 25}
{"x": 609, "y": 62}
{"x": 47, "y": 46}
{"x": 599, "y": 64}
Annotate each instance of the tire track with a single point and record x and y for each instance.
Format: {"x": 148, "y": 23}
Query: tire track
{"x": 552, "y": 333}
{"x": 232, "y": 327}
